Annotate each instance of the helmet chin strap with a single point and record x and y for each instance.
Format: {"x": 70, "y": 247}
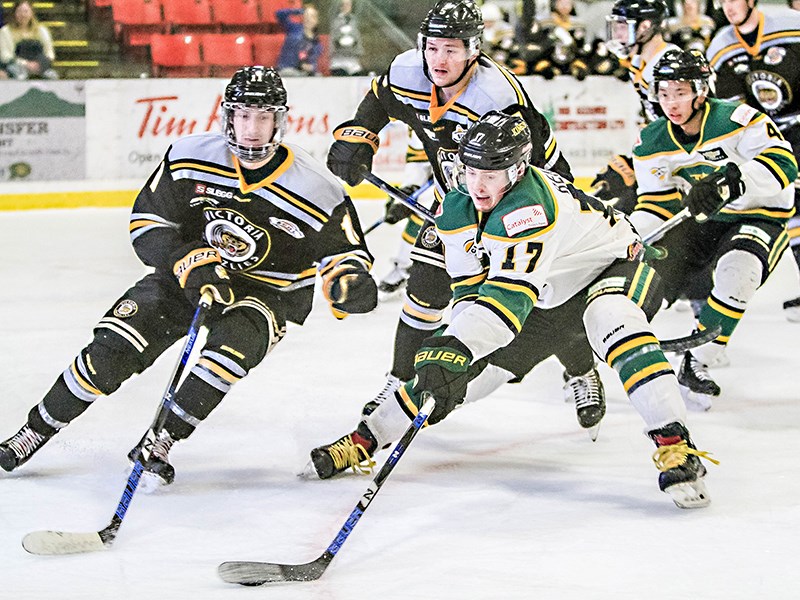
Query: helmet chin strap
{"x": 750, "y": 10}
{"x": 467, "y": 67}
{"x": 695, "y": 110}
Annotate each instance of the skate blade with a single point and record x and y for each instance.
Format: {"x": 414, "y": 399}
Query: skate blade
{"x": 792, "y": 314}
{"x": 694, "y": 401}
{"x": 593, "y": 432}
{"x": 691, "y": 494}
{"x": 309, "y": 473}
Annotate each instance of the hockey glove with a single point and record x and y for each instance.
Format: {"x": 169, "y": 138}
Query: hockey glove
{"x": 442, "y": 366}
{"x": 199, "y": 270}
{"x": 352, "y": 152}
{"x": 396, "y": 211}
{"x": 616, "y": 184}
{"x": 350, "y": 289}
{"x": 707, "y": 197}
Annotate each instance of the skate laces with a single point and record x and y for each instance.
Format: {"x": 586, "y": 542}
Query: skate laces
{"x": 585, "y": 389}
{"x": 25, "y": 442}
{"x": 674, "y": 455}
{"x": 392, "y": 384}
{"x": 346, "y": 453}
{"x": 162, "y": 445}
{"x": 699, "y": 369}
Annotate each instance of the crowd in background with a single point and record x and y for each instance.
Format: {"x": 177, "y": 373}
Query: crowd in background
{"x": 26, "y": 46}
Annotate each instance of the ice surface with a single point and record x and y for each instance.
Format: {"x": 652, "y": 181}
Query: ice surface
{"x": 508, "y": 498}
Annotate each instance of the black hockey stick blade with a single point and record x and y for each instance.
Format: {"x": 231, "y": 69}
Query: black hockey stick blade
{"x": 260, "y": 573}
{"x": 697, "y": 338}
{"x": 49, "y": 543}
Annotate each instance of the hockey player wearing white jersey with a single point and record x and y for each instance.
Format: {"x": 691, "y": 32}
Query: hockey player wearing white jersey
{"x": 242, "y": 215}
{"x": 518, "y": 237}
{"x": 736, "y": 171}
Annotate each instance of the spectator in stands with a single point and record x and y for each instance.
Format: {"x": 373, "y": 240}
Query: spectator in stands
{"x": 566, "y": 50}
{"x": 301, "y": 47}
{"x": 498, "y": 34}
{"x": 692, "y": 30}
{"x": 26, "y": 47}
{"x": 346, "y": 47}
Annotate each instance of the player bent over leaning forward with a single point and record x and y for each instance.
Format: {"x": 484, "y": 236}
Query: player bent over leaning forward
{"x": 529, "y": 238}
{"x": 239, "y": 214}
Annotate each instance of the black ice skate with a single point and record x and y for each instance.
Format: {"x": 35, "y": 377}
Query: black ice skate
{"x": 697, "y": 387}
{"x": 18, "y": 449}
{"x": 157, "y": 468}
{"x": 352, "y": 451}
{"x": 394, "y": 281}
{"x": 791, "y": 308}
{"x": 587, "y": 393}
{"x": 681, "y": 470}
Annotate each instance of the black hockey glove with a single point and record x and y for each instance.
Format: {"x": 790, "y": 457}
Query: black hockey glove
{"x": 396, "y": 211}
{"x": 199, "y": 270}
{"x": 350, "y": 289}
{"x": 707, "y": 197}
{"x": 616, "y": 184}
{"x": 442, "y": 366}
{"x": 352, "y": 152}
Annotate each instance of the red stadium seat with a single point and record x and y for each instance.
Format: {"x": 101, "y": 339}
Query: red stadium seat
{"x": 176, "y": 55}
{"x": 238, "y": 13}
{"x": 188, "y": 15}
{"x": 267, "y": 48}
{"x": 136, "y": 20}
{"x": 226, "y": 52}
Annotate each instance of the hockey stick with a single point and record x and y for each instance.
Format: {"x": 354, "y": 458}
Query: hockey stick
{"x": 415, "y": 196}
{"x": 65, "y": 542}
{"x": 670, "y": 223}
{"x": 259, "y": 573}
{"x": 409, "y": 201}
{"x": 693, "y": 340}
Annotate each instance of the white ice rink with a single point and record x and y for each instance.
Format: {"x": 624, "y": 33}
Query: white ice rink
{"x": 508, "y": 498}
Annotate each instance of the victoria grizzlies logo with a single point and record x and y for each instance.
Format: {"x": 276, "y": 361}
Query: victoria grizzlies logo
{"x": 241, "y": 244}
{"x": 429, "y": 238}
{"x": 126, "y": 308}
{"x": 770, "y": 89}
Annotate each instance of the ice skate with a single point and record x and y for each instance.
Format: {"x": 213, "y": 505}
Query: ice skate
{"x": 352, "y": 451}
{"x": 393, "y": 282}
{"x": 19, "y": 448}
{"x": 157, "y": 471}
{"x": 587, "y": 393}
{"x": 697, "y": 387}
{"x": 791, "y": 309}
{"x": 681, "y": 470}
{"x": 389, "y": 388}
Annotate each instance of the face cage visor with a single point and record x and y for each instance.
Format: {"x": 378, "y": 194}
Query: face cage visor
{"x": 253, "y": 153}
{"x": 513, "y": 175}
{"x": 699, "y": 87}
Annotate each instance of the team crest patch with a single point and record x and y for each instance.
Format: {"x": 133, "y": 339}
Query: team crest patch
{"x": 126, "y": 308}
{"x": 774, "y": 55}
{"x": 429, "y": 237}
{"x": 525, "y": 218}
{"x": 714, "y": 154}
{"x": 287, "y": 226}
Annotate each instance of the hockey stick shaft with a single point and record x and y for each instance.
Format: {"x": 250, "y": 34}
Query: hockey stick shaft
{"x": 415, "y": 196}
{"x": 667, "y": 225}
{"x": 259, "y": 573}
{"x": 51, "y": 542}
{"x": 409, "y": 201}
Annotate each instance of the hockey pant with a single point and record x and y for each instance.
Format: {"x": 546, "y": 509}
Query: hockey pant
{"x": 792, "y": 134}
{"x": 428, "y": 294}
{"x": 148, "y": 319}
{"x": 741, "y": 256}
{"x": 545, "y": 333}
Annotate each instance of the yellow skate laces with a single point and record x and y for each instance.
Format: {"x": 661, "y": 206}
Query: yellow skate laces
{"x": 674, "y": 455}
{"x": 345, "y": 453}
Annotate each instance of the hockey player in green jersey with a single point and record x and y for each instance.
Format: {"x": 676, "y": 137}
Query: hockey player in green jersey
{"x": 730, "y": 165}
{"x": 518, "y": 237}
{"x": 240, "y": 214}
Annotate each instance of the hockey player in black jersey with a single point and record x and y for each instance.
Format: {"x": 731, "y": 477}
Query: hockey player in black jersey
{"x": 757, "y": 61}
{"x": 439, "y": 90}
{"x": 239, "y": 214}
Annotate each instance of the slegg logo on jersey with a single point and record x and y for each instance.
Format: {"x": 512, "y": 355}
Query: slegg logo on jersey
{"x": 714, "y": 154}
{"x": 241, "y": 244}
{"x": 207, "y": 190}
{"x": 525, "y": 218}
{"x": 287, "y": 226}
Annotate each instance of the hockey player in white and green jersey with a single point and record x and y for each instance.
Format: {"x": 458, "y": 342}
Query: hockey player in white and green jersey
{"x": 730, "y": 165}
{"x": 518, "y": 237}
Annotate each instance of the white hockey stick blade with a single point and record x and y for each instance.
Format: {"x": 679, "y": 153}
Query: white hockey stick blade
{"x": 260, "y": 573}
{"x": 50, "y": 543}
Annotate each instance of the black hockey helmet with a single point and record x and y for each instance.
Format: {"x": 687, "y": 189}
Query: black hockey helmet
{"x": 631, "y": 13}
{"x": 259, "y": 88}
{"x": 495, "y": 142}
{"x": 683, "y": 65}
{"x": 455, "y": 20}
